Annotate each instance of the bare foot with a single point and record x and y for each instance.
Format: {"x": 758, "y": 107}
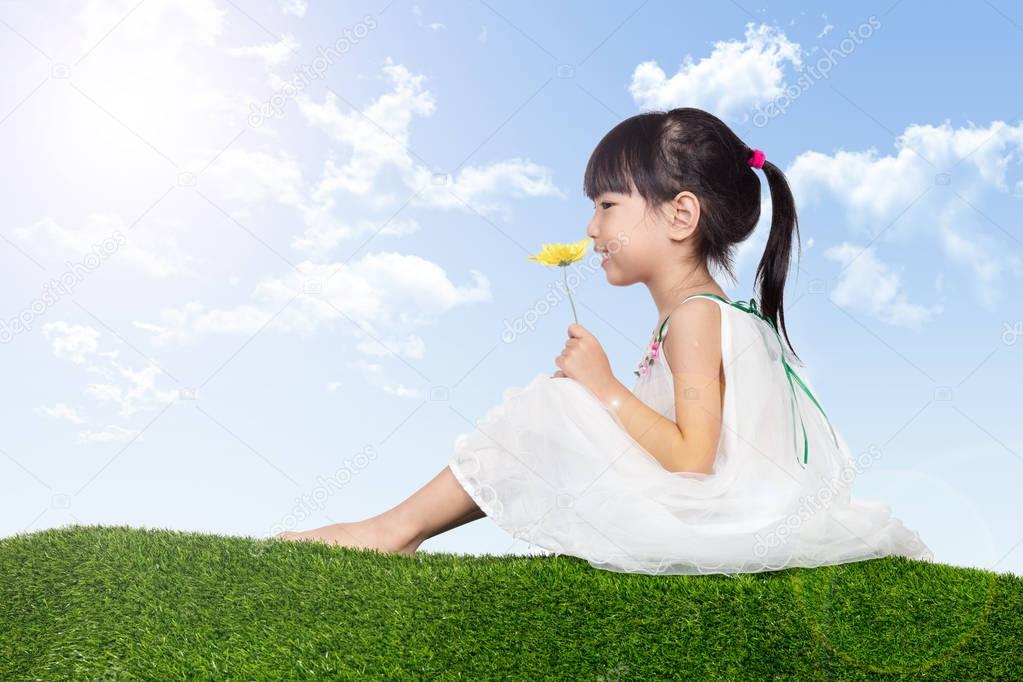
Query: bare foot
{"x": 368, "y": 534}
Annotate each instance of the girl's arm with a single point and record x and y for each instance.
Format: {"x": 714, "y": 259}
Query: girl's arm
{"x": 658, "y": 435}
{"x": 692, "y": 348}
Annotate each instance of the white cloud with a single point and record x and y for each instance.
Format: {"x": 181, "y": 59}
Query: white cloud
{"x": 484, "y": 188}
{"x": 828, "y": 27}
{"x": 109, "y": 434}
{"x": 62, "y": 411}
{"x": 325, "y": 231}
{"x": 932, "y": 187}
{"x": 366, "y": 367}
{"x": 72, "y": 342}
{"x": 109, "y": 239}
{"x": 433, "y": 26}
{"x": 975, "y": 251}
{"x": 253, "y": 176}
{"x": 130, "y": 390}
{"x": 297, "y": 8}
{"x": 869, "y": 286}
{"x": 382, "y": 290}
{"x": 375, "y": 376}
{"x": 737, "y": 75}
{"x": 411, "y": 347}
{"x": 104, "y": 392}
{"x": 193, "y": 319}
{"x": 273, "y": 53}
{"x": 873, "y": 188}
{"x": 378, "y": 136}
{"x": 876, "y": 188}
{"x": 140, "y": 392}
{"x": 379, "y": 139}
{"x": 250, "y": 177}
{"x": 403, "y": 391}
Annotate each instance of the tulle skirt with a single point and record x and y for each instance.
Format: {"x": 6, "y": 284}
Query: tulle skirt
{"x": 552, "y": 466}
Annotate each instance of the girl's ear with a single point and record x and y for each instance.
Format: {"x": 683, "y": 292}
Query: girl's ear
{"x": 685, "y": 209}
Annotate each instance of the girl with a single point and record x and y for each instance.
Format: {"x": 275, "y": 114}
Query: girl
{"x": 720, "y": 459}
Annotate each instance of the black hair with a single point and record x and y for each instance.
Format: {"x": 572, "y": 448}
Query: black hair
{"x": 661, "y": 153}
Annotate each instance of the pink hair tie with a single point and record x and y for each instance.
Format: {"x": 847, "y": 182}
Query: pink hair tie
{"x": 757, "y": 160}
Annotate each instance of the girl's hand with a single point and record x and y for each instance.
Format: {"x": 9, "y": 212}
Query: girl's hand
{"x": 584, "y": 360}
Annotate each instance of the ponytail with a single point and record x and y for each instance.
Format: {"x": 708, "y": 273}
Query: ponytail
{"x": 774, "y": 265}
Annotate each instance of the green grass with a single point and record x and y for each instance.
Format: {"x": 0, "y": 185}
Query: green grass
{"x": 120, "y": 603}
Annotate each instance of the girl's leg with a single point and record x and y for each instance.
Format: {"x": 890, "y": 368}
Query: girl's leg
{"x": 439, "y": 506}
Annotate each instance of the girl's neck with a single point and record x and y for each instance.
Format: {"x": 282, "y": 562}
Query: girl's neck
{"x": 667, "y": 297}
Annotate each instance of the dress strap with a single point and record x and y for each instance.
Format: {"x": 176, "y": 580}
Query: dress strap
{"x": 660, "y": 332}
{"x": 790, "y": 374}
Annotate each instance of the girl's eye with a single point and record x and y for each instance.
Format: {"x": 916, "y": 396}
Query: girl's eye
{"x": 605, "y": 204}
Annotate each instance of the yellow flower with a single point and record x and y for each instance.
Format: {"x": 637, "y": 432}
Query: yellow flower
{"x": 561, "y": 254}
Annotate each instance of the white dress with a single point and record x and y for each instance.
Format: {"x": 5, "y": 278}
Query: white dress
{"x": 553, "y": 466}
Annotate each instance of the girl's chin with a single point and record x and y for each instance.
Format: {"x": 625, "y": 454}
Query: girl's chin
{"x": 615, "y": 276}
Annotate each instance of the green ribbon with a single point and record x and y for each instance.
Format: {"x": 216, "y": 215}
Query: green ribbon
{"x": 793, "y": 378}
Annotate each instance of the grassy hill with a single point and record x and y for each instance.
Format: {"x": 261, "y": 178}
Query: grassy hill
{"x": 120, "y": 603}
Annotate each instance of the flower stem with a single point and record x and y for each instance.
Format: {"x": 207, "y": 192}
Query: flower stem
{"x": 565, "y": 270}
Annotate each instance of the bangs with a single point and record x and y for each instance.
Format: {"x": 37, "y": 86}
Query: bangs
{"x": 620, "y": 162}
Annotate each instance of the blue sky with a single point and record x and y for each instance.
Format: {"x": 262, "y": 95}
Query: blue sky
{"x": 258, "y": 257}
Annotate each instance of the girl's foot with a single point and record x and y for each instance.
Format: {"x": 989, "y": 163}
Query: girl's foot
{"x": 368, "y": 534}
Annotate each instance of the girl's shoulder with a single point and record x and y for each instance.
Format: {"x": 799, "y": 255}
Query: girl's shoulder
{"x": 662, "y": 332}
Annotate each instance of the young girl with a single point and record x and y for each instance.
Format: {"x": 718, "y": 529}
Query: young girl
{"x": 720, "y": 459}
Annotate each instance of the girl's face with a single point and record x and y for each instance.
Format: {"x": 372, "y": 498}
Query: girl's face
{"x": 631, "y": 238}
